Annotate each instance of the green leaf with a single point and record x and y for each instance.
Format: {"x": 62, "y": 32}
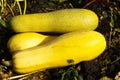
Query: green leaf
{"x": 60, "y": 1}
{"x": 3, "y": 23}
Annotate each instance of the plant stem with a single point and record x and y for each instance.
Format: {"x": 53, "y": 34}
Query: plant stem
{"x": 25, "y": 6}
{"x": 19, "y": 7}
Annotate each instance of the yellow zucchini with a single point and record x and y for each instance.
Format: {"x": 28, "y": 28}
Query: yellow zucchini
{"x": 23, "y": 41}
{"x": 61, "y": 21}
{"x": 67, "y": 49}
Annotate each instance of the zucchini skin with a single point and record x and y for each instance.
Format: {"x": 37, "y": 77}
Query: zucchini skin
{"x": 61, "y": 21}
{"x": 26, "y": 40}
{"x": 67, "y": 49}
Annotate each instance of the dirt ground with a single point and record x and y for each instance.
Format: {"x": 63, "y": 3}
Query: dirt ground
{"x": 104, "y": 67}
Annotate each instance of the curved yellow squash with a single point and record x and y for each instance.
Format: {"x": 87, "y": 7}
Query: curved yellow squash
{"x": 61, "y": 21}
{"x": 67, "y": 49}
{"x": 23, "y": 41}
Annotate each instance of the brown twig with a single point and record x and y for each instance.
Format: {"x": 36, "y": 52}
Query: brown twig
{"x": 89, "y": 3}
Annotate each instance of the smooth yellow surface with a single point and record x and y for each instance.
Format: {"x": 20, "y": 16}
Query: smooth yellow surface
{"x": 23, "y": 41}
{"x": 62, "y": 21}
{"x": 67, "y": 49}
